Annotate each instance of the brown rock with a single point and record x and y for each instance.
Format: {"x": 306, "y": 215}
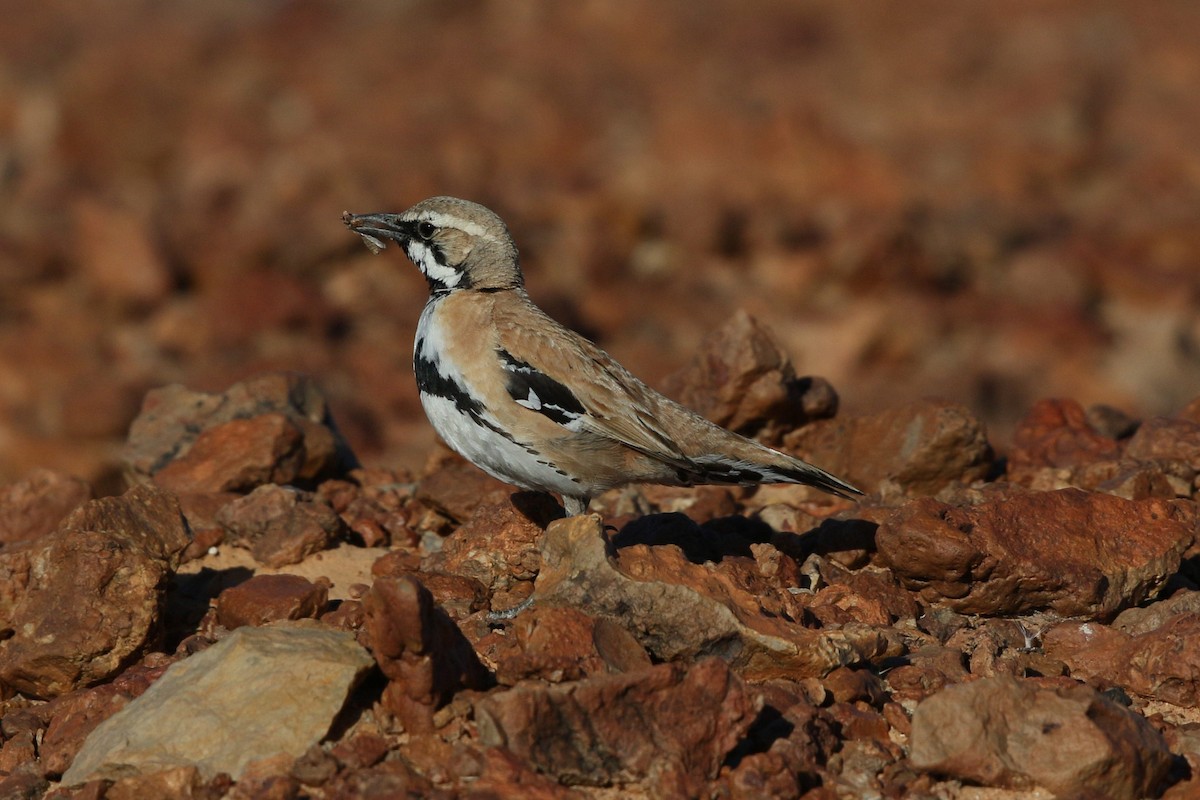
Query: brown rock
{"x": 1014, "y": 733}
{"x": 922, "y": 448}
{"x": 73, "y": 716}
{"x": 117, "y": 254}
{"x": 688, "y": 719}
{"x": 92, "y": 593}
{"x": 1167, "y": 439}
{"x": 1057, "y": 433}
{"x": 237, "y": 456}
{"x": 420, "y": 650}
{"x": 34, "y": 506}
{"x": 498, "y": 545}
{"x": 564, "y": 644}
{"x": 459, "y": 595}
{"x": 1077, "y": 553}
{"x": 457, "y": 487}
{"x": 183, "y": 782}
{"x": 284, "y": 434}
{"x": 1136, "y": 621}
{"x": 281, "y": 526}
{"x": 743, "y": 380}
{"x": 269, "y": 598}
{"x": 682, "y": 611}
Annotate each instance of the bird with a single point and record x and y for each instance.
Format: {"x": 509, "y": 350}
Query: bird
{"x": 533, "y": 403}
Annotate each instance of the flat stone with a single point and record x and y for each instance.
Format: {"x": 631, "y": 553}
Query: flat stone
{"x": 257, "y": 693}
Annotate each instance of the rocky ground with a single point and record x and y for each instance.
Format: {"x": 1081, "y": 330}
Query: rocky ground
{"x": 262, "y": 617}
{"x": 990, "y": 203}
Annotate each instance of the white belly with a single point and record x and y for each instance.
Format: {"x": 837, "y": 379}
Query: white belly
{"x": 494, "y": 453}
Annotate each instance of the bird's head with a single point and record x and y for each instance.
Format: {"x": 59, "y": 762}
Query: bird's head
{"x": 455, "y": 243}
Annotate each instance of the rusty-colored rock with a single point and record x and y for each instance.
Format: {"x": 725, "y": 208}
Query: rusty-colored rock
{"x": 743, "y": 380}
{"x": 420, "y": 650}
{"x": 92, "y": 593}
{"x": 921, "y": 448}
{"x": 1074, "y": 552}
{"x": 685, "y": 610}
{"x": 688, "y": 719}
{"x": 1013, "y": 733}
{"x": 35, "y": 505}
{"x": 270, "y": 598}
{"x": 563, "y": 644}
{"x": 1057, "y": 433}
{"x": 274, "y": 427}
{"x": 279, "y": 525}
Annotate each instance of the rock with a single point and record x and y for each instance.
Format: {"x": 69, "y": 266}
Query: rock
{"x": 237, "y": 456}
{"x": 1136, "y": 621}
{"x": 173, "y": 783}
{"x": 921, "y": 448}
{"x": 564, "y": 644}
{"x": 1013, "y": 733}
{"x": 74, "y": 716}
{"x": 696, "y": 613}
{"x": 237, "y": 701}
{"x": 270, "y": 598}
{"x": 457, "y": 487}
{"x": 1167, "y": 439}
{"x": 283, "y": 433}
{"x": 280, "y": 526}
{"x": 743, "y": 380}
{"x": 90, "y": 597}
{"x": 1073, "y": 552}
{"x": 34, "y": 506}
{"x": 116, "y": 252}
{"x": 1057, "y": 433}
{"x": 498, "y": 546}
{"x": 1158, "y": 664}
{"x": 422, "y": 652}
{"x": 687, "y": 721}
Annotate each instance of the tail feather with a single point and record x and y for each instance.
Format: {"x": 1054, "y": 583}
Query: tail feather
{"x": 722, "y": 469}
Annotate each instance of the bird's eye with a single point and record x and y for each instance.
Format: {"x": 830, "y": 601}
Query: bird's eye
{"x": 426, "y": 230}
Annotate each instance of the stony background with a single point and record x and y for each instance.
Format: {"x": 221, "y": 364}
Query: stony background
{"x": 216, "y": 487}
{"x": 993, "y": 204}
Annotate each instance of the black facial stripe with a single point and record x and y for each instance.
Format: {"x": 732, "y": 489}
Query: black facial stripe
{"x": 539, "y": 392}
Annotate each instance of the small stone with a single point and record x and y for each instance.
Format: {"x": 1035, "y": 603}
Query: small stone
{"x": 269, "y": 598}
{"x": 281, "y": 526}
{"x": 564, "y": 644}
{"x": 1057, "y": 433}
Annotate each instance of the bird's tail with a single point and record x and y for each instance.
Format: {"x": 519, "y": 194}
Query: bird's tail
{"x": 772, "y": 467}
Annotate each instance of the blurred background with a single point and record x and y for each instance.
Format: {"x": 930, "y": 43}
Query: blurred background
{"x": 989, "y": 202}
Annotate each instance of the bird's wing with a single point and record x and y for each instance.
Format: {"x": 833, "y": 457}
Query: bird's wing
{"x": 562, "y": 375}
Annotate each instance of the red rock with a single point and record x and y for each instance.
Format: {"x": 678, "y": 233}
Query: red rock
{"x": 237, "y": 456}
{"x": 498, "y": 545}
{"x": 1167, "y": 439}
{"x": 93, "y": 593}
{"x": 1013, "y": 733}
{"x": 921, "y": 448}
{"x": 459, "y": 595}
{"x": 564, "y": 644}
{"x": 391, "y": 779}
{"x": 15, "y": 751}
{"x": 117, "y": 254}
{"x": 26, "y": 782}
{"x": 458, "y": 488}
{"x": 420, "y": 650}
{"x": 679, "y": 610}
{"x": 688, "y": 721}
{"x": 1076, "y": 553}
{"x": 1143, "y": 619}
{"x": 75, "y": 715}
{"x": 281, "y": 526}
{"x": 34, "y": 506}
{"x": 1057, "y": 433}
{"x": 280, "y": 431}
{"x": 184, "y": 783}
{"x": 743, "y": 380}
{"x": 269, "y": 598}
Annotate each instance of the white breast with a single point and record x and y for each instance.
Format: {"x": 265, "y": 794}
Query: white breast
{"x": 474, "y": 432}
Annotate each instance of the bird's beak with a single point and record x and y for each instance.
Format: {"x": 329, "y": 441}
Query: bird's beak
{"x": 376, "y": 229}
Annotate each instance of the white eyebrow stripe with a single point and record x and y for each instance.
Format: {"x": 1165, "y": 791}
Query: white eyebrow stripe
{"x": 449, "y": 221}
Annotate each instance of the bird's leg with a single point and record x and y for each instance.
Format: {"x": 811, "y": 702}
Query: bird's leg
{"x": 575, "y": 506}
